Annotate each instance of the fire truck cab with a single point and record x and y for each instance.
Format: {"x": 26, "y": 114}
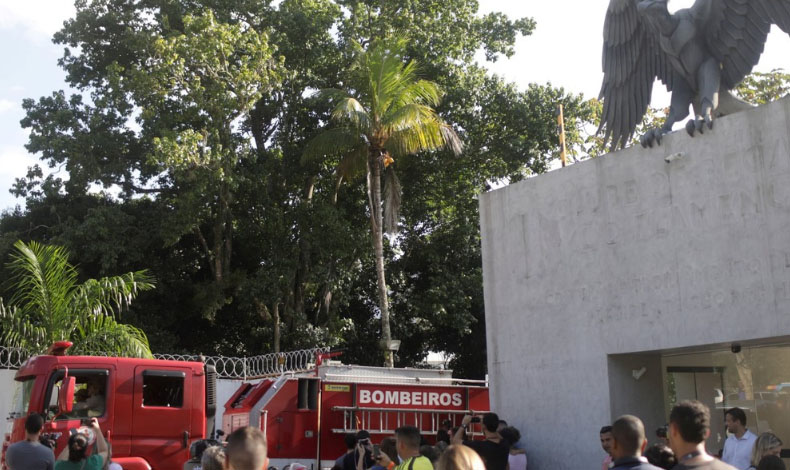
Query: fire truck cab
{"x": 150, "y": 411}
{"x": 305, "y": 416}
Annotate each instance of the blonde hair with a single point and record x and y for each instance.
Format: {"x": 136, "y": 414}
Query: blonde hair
{"x": 246, "y": 449}
{"x": 460, "y": 457}
{"x": 765, "y": 442}
{"x": 213, "y": 458}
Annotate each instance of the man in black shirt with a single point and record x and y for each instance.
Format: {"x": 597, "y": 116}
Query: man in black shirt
{"x": 689, "y": 426}
{"x": 628, "y": 443}
{"x": 492, "y": 450}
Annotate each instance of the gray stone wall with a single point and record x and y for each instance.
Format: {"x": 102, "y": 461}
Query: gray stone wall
{"x": 629, "y": 253}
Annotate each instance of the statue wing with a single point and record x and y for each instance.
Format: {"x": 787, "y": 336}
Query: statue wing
{"x": 736, "y": 31}
{"x": 632, "y": 60}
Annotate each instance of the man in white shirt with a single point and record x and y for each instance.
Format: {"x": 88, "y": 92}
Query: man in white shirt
{"x": 738, "y": 447}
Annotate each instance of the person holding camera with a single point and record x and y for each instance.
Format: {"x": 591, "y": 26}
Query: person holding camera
{"x": 31, "y": 454}
{"x": 361, "y": 457}
{"x": 492, "y": 450}
{"x": 74, "y": 456}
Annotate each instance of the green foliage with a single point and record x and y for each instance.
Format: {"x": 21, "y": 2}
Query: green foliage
{"x": 200, "y": 112}
{"x": 761, "y": 88}
{"x": 48, "y": 304}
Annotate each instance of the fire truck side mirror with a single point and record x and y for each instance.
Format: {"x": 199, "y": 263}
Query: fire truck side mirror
{"x": 66, "y": 395}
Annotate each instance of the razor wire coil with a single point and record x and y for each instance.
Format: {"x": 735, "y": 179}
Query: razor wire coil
{"x": 227, "y": 367}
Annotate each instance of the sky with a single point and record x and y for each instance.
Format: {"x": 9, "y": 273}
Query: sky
{"x": 565, "y": 50}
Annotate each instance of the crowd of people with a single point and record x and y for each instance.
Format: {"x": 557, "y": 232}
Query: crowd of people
{"x": 408, "y": 450}
{"x": 681, "y": 444}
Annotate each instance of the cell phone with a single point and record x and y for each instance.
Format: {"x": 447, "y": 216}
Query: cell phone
{"x": 376, "y": 451}
{"x": 85, "y": 422}
{"x": 475, "y": 419}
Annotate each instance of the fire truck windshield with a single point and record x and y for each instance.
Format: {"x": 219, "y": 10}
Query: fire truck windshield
{"x": 22, "y": 391}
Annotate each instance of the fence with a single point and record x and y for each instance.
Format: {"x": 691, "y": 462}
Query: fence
{"x": 227, "y": 367}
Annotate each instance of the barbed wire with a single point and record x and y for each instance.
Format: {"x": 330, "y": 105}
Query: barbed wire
{"x": 255, "y": 366}
{"x": 12, "y": 358}
{"x": 227, "y": 367}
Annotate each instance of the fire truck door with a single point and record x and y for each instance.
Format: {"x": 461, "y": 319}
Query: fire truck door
{"x": 161, "y": 411}
{"x": 295, "y": 435}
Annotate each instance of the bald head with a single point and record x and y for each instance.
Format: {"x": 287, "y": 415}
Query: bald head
{"x": 628, "y": 433}
{"x": 246, "y": 449}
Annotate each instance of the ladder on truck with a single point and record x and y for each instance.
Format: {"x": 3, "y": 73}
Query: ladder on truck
{"x": 386, "y": 420}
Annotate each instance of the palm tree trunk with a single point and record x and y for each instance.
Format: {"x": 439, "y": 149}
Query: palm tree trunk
{"x": 276, "y": 319}
{"x": 376, "y": 222}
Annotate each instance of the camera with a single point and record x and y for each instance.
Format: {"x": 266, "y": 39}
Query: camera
{"x": 48, "y": 440}
{"x": 475, "y": 419}
{"x": 85, "y": 422}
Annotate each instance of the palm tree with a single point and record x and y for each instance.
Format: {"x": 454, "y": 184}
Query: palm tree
{"x": 389, "y": 113}
{"x": 49, "y": 305}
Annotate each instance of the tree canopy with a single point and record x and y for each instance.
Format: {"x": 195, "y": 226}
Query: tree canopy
{"x": 194, "y": 117}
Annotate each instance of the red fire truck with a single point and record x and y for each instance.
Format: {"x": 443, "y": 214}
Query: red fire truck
{"x": 305, "y": 416}
{"x": 150, "y": 410}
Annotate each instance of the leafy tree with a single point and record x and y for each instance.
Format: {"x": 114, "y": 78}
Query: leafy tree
{"x": 300, "y": 272}
{"x": 388, "y": 114}
{"x": 50, "y": 305}
{"x": 761, "y": 88}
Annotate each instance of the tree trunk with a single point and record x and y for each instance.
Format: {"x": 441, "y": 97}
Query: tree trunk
{"x": 376, "y": 221}
{"x": 276, "y": 319}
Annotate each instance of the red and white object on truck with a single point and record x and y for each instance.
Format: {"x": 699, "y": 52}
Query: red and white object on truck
{"x": 305, "y": 416}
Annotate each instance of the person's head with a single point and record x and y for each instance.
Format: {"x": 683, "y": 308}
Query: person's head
{"x": 407, "y": 440}
{"x": 78, "y": 447}
{"x": 350, "y": 440}
{"x": 213, "y": 458}
{"x": 606, "y": 439}
{"x": 689, "y": 424}
{"x": 661, "y": 433}
{"x": 771, "y": 462}
{"x": 246, "y": 450}
{"x": 95, "y": 386}
{"x": 502, "y": 425}
{"x": 460, "y": 457}
{"x": 362, "y": 435}
{"x": 389, "y": 447}
{"x": 490, "y": 422}
{"x": 430, "y": 452}
{"x": 767, "y": 443}
{"x": 33, "y": 424}
{"x": 510, "y": 435}
{"x": 628, "y": 437}
{"x": 735, "y": 419}
{"x": 443, "y": 435}
{"x": 661, "y": 456}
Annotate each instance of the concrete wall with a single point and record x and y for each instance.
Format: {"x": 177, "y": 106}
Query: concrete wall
{"x": 628, "y": 253}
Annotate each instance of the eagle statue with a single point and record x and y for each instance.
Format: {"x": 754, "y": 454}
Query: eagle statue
{"x": 700, "y": 53}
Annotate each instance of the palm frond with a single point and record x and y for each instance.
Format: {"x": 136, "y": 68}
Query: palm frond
{"x": 350, "y": 111}
{"x": 353, "y": 162}
{"x": 333, "y": 141}
{"x": 20, "y": 332}
{"x": 391, "y": 200}
{"x": 407, "y": 116}
{"x": 419, "y": 91}
{"x": 109, "y": 295}
{"x": 105, "y": 335}
{"x": 43, "y": 280}
{"x": 48, "y": 305}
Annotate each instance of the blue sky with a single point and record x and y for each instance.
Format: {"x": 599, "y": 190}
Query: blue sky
{"x": 565, "y": 50}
